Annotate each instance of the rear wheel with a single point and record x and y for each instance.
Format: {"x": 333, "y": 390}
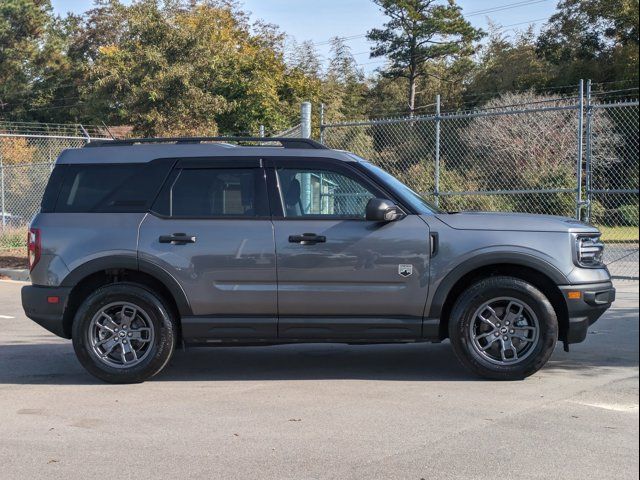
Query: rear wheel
{"x": 503, "y": 328}
{"x": 123, "y": 333}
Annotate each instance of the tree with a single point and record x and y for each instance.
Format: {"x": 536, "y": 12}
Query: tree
{"x": 419, "y": 33}
{"x": 595, "y": 39}
{"x": 344, "y": 88}
{"x": 201, "y": 68}
{"x": 505, "y": 65}
{"x": 23, "y": 27}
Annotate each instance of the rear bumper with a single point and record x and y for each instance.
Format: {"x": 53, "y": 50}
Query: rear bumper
{"x": 40, "y": 305}
{"x": 593, "y": 300}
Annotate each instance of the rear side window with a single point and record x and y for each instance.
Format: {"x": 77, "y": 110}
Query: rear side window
{"x": 111, "y": 188}
{"x": 50, "y": 196}
{"x": 214, "y": 192}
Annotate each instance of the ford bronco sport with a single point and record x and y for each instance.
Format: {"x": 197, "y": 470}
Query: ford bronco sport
{"x": 145, "y": 245}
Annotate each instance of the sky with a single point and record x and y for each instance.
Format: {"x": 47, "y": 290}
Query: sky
{"x": 320, "y": 20}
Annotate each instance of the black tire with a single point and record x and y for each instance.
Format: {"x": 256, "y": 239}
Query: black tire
{"x": 474, "y": 298}
{"x": 160, "y": 348}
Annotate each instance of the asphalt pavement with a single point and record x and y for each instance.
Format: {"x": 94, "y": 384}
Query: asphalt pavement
{"x": 320, "y": 411}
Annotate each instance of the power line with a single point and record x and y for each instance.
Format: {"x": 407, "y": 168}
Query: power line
{"x": 503, "y": 27}
{"x": 500, "y": 8}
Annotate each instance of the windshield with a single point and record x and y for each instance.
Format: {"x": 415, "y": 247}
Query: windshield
{"x": 416, "y": 200}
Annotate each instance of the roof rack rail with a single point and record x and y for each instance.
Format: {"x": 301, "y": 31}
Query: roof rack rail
{"x": 286, "y": 142}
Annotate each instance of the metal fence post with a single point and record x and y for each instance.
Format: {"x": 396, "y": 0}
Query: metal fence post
{"x": 322, "y": 123}
{"x": 2, "y": 212}
{"x": 588, "y": 153}
{"x": 436, "y": 181}
{"x": 580, "y": 141}
{"x": 305, "y": 120}
{"x": 85, "y": 133}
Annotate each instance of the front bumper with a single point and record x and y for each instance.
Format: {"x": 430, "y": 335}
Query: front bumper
{"x": 45, "y": 306}
{"x": 585, "y": 304}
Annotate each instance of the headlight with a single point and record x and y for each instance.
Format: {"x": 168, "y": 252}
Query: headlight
{"x": 589, "y": 250}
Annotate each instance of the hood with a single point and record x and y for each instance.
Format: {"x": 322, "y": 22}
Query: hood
{"x": 520, "y": 222}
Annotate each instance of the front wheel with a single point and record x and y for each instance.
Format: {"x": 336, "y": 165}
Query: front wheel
{"x": 123, "y": 333}
{"x": 503, "y": 328}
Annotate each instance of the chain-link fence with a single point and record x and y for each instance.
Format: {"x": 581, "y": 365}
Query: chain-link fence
{"x": 27, "y": 154}
{"x": 573, "y": 156}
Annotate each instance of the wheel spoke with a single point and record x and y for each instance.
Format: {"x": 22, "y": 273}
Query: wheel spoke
{"x": 128, "y": 314}
{"x": 513, "y": 312}
{"x": 108, "y": 345}
{"x": 489, "y": 344}
{"x": 507, "y": 346}
{"x": 528, "y": 329}
{"x": 523, "y": 338}
{"x": 108, "y": 324}
{"x": 484, "y": 335}
{"x": 492, "y": 319}
{"x": 142, "y": 334}
{"x": 106, "y": 340}
{"x": 126, "y": 349}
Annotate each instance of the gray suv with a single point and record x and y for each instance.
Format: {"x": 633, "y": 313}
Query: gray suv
{"x": 148, "y": 244}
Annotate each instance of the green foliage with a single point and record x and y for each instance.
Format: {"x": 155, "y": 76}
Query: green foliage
{"x": 628, "y": 215}
{"x": 595, "y": 39}
{"x": 201, "y": 66}
{"x": 11, "y": 238}
{"x": 623, "y": 216}
{"x": 418, "y": 33}
{"x": 197, "y": 70}
{"x": 509, "y": 66}
{"x": 29, "y": 56}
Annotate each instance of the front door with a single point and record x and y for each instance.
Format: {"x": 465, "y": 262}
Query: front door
{"x": 211, "y": 230}
{"x": 339, "y": 275}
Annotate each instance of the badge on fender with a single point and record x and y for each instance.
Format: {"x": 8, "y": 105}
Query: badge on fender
{"x": 405, "y": 270}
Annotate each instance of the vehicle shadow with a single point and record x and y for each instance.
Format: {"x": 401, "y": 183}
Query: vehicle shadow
{"x": 55, "y": 363}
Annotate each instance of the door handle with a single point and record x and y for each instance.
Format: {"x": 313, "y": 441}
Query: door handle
{"x": 307, "y": 239}
{"x": 177, "y": 239}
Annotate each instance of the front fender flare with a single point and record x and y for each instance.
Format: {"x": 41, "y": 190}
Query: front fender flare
{"x": 477, "y": 261}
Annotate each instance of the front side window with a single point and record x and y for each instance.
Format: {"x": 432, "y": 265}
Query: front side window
{"x": 315, "y": 192}
{"x": 212, "y": 192}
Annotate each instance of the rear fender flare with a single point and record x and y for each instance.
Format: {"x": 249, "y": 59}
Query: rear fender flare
{"x": 131, "y": 262}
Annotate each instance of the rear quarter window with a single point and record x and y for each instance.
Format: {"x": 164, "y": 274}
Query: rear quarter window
{"x": 111, "y": 188}
{"x": 52, "y": 189}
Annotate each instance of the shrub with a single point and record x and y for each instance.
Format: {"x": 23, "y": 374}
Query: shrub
{"x": 12, "y": 237}
{"x": 628, "y": 215}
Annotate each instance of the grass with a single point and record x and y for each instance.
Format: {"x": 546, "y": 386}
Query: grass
{"x": 12, "y": 238}
{"x": 13, "y": 247}
{"x": 619, "y": 234}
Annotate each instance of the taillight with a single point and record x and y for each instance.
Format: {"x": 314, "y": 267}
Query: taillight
{"x": 34, "y": 247}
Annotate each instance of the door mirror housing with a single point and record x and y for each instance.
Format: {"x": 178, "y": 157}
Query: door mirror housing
{"x": 381, "y": 210}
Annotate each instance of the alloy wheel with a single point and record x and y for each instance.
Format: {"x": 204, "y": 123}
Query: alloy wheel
{"x": 504, "y": 331}
{"x": 121, "y": 334}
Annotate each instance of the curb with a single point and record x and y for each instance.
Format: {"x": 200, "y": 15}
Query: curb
{"x": 16, "y": 274}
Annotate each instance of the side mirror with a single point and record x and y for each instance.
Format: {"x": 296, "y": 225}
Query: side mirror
{"x": 380, "y": 210}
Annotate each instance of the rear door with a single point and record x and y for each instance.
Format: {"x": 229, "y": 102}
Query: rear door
{"x": 210, "y": 228}
{"x": 339, "y": 275}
